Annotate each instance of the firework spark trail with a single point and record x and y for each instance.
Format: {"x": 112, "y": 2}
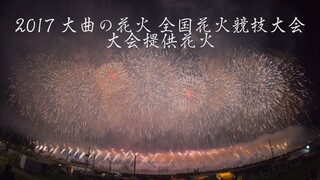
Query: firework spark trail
{"x": 75, "y": 88}
{"x": 159, "y": 100}
{"x": 112, "y": 80}
{"x": 180, "y": 161}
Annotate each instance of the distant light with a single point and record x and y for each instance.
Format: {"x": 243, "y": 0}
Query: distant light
{"x": 307, "y": 147}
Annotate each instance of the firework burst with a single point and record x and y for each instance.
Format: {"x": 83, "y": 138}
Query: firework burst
{"x": 162, "y": 100}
